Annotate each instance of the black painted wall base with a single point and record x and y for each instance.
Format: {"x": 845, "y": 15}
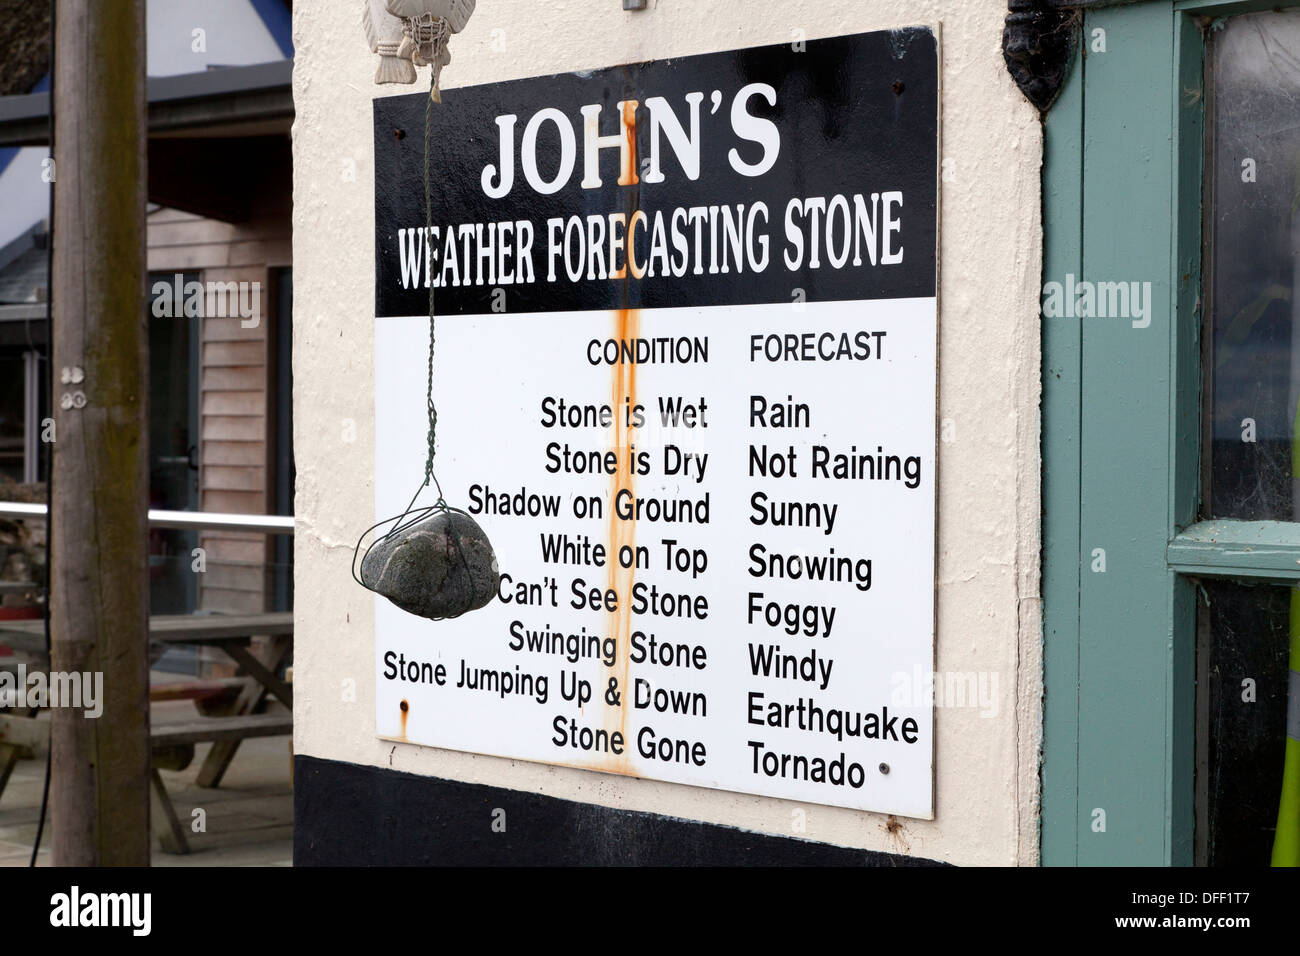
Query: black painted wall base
{"x": 350, "y": 815}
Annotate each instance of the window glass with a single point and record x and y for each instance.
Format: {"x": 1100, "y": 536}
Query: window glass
{"x": 1252, "y": 359}
{"x": 13, "y": 415}
{"x": 1243, "y": 713}
{"x": 173, "y": 452}
{"x": 1248, "y": 771}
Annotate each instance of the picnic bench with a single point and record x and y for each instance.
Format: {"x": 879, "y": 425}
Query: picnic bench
{"x": 233, "y": 706}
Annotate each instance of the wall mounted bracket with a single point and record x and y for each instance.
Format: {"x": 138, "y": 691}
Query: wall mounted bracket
{"x": 1038, "y": 44}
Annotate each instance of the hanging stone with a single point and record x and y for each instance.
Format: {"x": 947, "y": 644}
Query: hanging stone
{"x": 426, "y": 570}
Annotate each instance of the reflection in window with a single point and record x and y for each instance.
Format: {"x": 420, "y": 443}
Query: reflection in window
{"x": 1253, "y": 227}
{"x": 1248, "y": 767}
{"x": 1243, "y": 704}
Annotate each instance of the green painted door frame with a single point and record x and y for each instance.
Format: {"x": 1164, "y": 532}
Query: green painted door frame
{"x": 1121, "y": 422}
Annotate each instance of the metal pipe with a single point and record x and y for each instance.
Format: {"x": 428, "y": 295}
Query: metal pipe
{"x": 193, "y": 520}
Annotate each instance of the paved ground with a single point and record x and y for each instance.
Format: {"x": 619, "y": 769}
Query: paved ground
{"x": 249, "y": 818}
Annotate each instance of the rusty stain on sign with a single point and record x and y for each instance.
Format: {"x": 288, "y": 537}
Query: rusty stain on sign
{"x": 622, "y": 534}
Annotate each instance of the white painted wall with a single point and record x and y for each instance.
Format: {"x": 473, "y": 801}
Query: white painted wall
{"x": 991, "y": 240}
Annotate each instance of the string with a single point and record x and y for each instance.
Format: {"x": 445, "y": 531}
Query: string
{"x": 428, "y": 241}
{"x": 411, "y": 516}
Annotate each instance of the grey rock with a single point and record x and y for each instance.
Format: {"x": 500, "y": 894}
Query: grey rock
{"x": 422, "y": 570}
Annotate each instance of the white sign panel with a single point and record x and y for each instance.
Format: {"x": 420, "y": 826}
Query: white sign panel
{"x": 711, "y": 492}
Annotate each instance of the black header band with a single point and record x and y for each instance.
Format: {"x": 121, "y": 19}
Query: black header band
{"x": 786, "y": 173}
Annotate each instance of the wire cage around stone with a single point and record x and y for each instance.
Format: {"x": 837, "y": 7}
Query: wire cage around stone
{"x": 439, "y": 567}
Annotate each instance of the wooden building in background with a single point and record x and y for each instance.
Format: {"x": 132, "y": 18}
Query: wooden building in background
{"x": 220, "y": 189}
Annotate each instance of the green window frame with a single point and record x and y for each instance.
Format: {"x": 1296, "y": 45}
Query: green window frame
{"x": 1121, "y": 419}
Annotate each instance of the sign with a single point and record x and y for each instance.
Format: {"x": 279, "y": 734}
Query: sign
{"x": 686, "y": 348}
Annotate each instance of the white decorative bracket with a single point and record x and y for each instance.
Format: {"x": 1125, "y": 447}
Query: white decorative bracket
{"x": 410, "y": 33}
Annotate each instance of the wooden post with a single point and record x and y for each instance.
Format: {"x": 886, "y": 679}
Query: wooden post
{"x": 99, "y": 603}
